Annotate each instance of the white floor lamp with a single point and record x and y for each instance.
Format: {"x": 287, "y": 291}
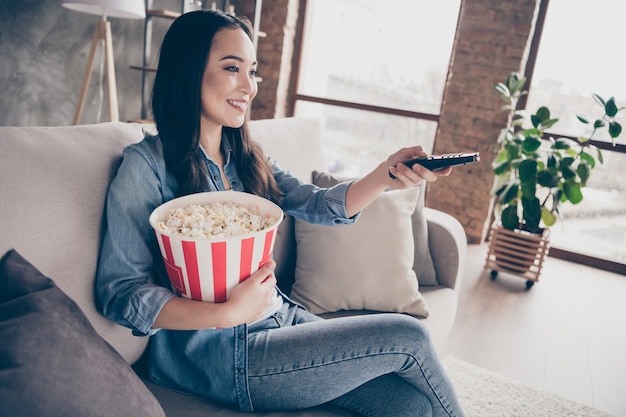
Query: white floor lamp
{"x": 127, "y": 9}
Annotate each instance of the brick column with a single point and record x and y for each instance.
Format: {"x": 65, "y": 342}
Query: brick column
{"x": 275, "y": 54}
{"x": 492, "y": 40}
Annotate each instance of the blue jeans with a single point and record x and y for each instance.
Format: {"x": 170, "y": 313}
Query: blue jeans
{"x": 376, "y": 365}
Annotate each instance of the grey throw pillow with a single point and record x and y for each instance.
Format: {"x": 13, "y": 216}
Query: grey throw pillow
{"x": 52, "y": 361}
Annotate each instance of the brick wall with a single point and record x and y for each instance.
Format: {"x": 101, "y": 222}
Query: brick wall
{"x": 492, "y": 40}
{"x": 275, "y": 54}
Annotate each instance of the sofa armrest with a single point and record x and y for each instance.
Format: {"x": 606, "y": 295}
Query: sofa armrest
{"x": 448, "y": 247}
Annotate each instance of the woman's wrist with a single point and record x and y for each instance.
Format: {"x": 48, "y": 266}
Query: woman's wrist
{"x": 184, "y": 314}
{"x": 364, "y": 190}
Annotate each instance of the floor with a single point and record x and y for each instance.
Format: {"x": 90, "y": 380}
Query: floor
{"x": 566, "y": 335}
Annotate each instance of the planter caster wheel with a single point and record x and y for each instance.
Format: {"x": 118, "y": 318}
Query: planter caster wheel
{"x": 494, "y": 275}
{"x": 529, "y": 284}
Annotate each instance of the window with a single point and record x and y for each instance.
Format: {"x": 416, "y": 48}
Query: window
{"x": 579, "y": 55}
{"x": 374, "y": 73}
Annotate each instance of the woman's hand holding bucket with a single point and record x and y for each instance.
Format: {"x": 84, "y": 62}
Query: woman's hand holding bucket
{"x": 250, "y": 298}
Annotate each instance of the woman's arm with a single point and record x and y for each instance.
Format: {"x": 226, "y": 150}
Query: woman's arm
{"x": 246, "y": 303}
{"x": 130, "y": 256}
{"x": 363, "y": 191}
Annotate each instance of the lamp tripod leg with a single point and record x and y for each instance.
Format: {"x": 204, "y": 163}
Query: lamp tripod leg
{"x": 110, "y": 64}
{"x": 87, "y": 75}
{"x": 101, "y": 32}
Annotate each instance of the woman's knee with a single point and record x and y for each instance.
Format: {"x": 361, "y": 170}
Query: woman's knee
{"x": 408, "y": 328}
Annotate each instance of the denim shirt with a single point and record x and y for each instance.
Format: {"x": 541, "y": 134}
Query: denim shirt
{"x": 132, "y": 284}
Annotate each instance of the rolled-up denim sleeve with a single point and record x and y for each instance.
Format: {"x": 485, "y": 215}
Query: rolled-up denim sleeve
{"x": 308, "y": 202}
{"x": 126, "y": 268}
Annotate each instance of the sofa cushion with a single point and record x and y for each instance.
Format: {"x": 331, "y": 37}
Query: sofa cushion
{"x": 53, "y": 182}
{"x": 350, "y": 267}
{"x": 295, "y": 143}
{"x": 52, "y": 361}
{"x": 423, "y": 264}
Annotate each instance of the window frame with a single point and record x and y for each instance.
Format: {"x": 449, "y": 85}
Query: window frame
{"x": 528, "y": 73}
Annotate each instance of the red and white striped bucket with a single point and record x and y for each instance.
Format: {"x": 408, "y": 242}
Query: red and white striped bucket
{"x": 208, "y": 269}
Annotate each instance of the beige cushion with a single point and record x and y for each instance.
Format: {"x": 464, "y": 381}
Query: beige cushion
{"x": 423, "y": 264}
{"x": 53, "y": 182}
{"x": 294, "y": 142}
{"x": 362, "y": 266}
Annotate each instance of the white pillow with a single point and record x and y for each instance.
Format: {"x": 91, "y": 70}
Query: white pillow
{"x": 363, "y": 266}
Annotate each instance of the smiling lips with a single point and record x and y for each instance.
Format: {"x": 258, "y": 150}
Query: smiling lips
{"x": 241, "y": 105}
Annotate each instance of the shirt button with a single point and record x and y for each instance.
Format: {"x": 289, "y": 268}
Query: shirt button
{"x": 215, "y": 177}
{"x": 240, "y": 370}
{"x": 241, "y": 337}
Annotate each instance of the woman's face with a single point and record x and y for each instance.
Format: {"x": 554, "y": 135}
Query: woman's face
{"x": 229, "y": 81}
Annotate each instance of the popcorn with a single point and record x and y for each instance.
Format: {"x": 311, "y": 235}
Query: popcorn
{"x": 215, "y": 220}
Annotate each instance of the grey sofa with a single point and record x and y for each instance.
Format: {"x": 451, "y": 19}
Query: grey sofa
{"x": 53, "y": 182}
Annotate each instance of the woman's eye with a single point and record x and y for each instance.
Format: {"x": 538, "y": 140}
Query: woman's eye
{"x": 254, "y": 73}
{"x": 232, "y": 69}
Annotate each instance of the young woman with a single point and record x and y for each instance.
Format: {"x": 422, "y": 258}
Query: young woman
{"x": 258, "y": 350}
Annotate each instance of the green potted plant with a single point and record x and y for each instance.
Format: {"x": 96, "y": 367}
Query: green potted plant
{"x": 535, "y": 173}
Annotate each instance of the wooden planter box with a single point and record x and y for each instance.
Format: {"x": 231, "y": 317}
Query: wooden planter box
{"x": 517, "y": 252}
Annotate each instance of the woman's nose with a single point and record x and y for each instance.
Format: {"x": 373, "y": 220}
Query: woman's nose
{"x": 248, "y": 83}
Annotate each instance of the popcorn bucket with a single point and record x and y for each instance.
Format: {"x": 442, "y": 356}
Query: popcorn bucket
{"x": 209, "y": 268}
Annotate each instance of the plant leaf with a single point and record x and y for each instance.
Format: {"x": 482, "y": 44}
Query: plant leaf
{"x": 529, "y": 188}
{"x": 515, "y": 82}
{"x": 598, "y": 124}
{"x": 571, "y": 152}
{"x": 543, "y": 113}
{"x": 513, "y": 151}
{"x": 536, "y": 121}
{"x": 599, "y": 99}
{"x": 567, "y": 171}
{"x": 584, "y": 171}
{"x": 615, "y": 129}
{"x": 510, "y": 193}
{"x": 546, "y": 179}
{"x": 527, "y": 170}
{"x": 532, "y": 213}
{"x": 531, "y": 144}
{"x": 573, "y": 192}
{"x": 552, "y": 162}
{"x": 582, "y": 119}
{"x": 547, "y": 124}
{"x": 588, "y": 158}
{"x": 502, "y": 168}
{"x": 610, "y": 108}
{"x": 509, "y": 218}
{"x": 502, "y": 89}
{"x": 547, "y": 217}
{"x": 562, "y": 143}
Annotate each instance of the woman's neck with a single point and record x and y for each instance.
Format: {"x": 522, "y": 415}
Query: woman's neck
{"x": 211, "y": 142}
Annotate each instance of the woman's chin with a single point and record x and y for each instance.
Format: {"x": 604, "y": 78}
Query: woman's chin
{"x": 236, "y": 122}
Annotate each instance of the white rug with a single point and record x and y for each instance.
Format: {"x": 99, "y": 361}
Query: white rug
{"x": 487, "y": 394}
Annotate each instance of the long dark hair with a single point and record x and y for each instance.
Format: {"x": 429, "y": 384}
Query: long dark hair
{"x": 177, "y": 105}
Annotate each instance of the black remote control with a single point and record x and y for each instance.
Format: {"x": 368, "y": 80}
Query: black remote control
{"x": 435, "y": 162}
